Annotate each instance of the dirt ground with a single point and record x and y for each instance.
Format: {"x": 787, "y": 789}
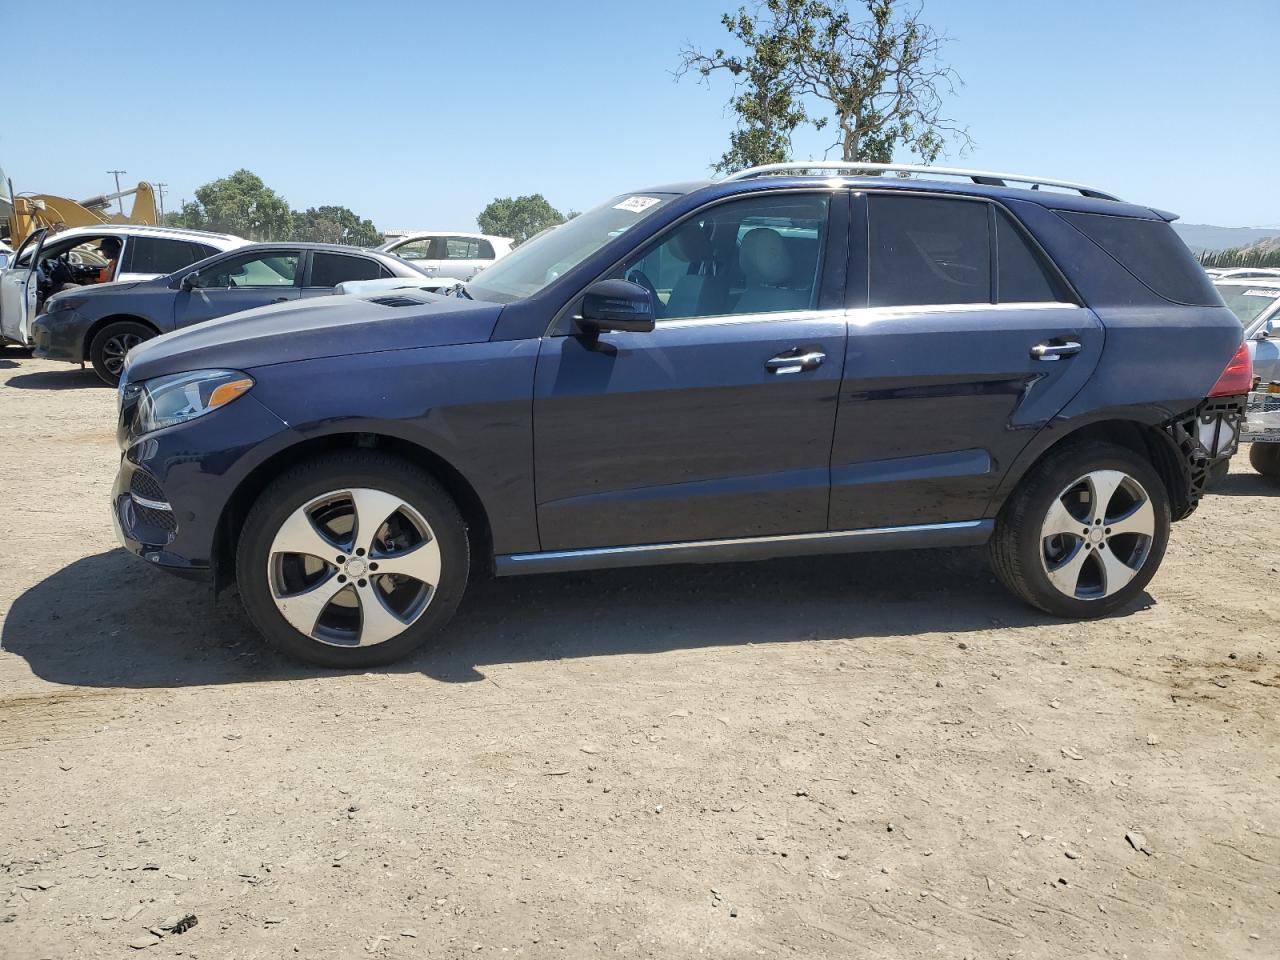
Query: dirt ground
{"x": 874, "y": 756}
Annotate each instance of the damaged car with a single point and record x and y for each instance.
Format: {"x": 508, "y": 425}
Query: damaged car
{"x": 808, "y": 358}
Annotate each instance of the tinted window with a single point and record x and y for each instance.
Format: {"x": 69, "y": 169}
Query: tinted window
{"x": 1021, "y": 275}
{"x": 486, "y": 250}
{"x": 461, "y": 248}
{"x": 926, "y": 250}
{"x": 154, "y": 255}
{"x": 276, "y": 269}
{"x": 201, "y": 250}
{"x": 757, "y": 255}
{"x": 331, "y": 269}
{"x": 1152, "y": 252}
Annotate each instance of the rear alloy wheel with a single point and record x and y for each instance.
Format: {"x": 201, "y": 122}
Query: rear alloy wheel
{"x": 354, "y": 560}
{"x": 1085, "y": 532}
{"x": 1265, "y": 458}
{"x": 112, "y": 343}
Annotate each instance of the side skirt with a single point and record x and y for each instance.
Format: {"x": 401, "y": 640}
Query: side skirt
{"x": 964, "y": 533}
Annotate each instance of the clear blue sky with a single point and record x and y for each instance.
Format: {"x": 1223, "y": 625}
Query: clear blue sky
{"x": 417, "y": 114}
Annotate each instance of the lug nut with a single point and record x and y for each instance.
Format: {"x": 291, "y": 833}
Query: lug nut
{"x": 360, "y": 550}
{"x": 342, "y": 559}
{"x": 341, "y": 578}
{"x": 364, "y": 583}
{"x": 373, "y": 566}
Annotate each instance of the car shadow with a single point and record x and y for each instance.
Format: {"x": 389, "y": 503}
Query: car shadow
{"x": 1244, "y": 485}
{"x": 109, "y": 621}
{"x": 57, "y": 380}
{"x": 7, "y": 364}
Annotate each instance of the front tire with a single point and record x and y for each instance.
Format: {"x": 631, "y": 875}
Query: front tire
{"x": 1084, "y": 532}
{"x": 112, "y": 343}
{"x": 1265, "y": 458}
{"x": 352, "y": 560}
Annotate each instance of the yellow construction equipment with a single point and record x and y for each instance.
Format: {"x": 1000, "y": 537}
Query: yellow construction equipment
{"x": 37, "y": 211}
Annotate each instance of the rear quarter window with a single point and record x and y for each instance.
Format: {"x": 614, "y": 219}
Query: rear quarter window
{"x": 1152, "y": 252}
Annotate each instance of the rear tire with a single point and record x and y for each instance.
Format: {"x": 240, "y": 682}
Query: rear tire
{"x": 1049, "y": 548}
{"x": 352, "y": 560}
{"x": 111, "y": 343}
{"x": 1265, "y": 458}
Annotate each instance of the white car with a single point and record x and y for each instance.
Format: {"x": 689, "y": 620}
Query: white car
{"x": 81, "y": 256}
{"x": 440, "y": 253}
{"x": 6, "y": 252}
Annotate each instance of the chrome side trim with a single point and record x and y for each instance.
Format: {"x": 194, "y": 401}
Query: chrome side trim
{"x": 957, "y": 533}
{"x": 151, "y": 504}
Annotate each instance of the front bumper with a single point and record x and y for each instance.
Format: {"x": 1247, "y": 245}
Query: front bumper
{"x": 59, "y": 336}
{"x": 174, "y": 485}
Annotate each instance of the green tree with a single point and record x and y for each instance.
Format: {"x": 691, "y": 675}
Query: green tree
{"x": 879, "y": 83}
{"x": 519, "y": 217}
{"x": 332, "y": 224}
{"x": 241, "y": 204}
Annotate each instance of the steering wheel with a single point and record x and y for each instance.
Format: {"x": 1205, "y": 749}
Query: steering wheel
{"x": 640, "y": 277}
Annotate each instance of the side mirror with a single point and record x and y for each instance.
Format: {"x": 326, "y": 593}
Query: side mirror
{"x": 616, "y": 305}
{"x": 191, "y": 281}
{"x": 1268, "y": 330}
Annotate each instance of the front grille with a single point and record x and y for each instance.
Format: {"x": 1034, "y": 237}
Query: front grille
{"x": 146, "y": 486}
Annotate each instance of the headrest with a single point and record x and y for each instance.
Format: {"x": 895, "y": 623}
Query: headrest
{"x": 690, "y": 244}
{"x": 764, "y": 257}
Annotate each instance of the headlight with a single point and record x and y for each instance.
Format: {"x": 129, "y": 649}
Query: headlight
{"x": 184, "y": 396}
{"x": 64, "y": 302}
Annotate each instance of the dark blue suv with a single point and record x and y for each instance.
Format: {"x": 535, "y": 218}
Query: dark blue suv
{"x": 774, "y": 364}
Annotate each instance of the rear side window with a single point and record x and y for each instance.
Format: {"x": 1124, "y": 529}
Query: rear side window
{"x": 1021, "y": 275}
{"x": 1152, "y": 252}
{"x": 154, "y": 255}
{"x": 331, "y": 269}
{"x": 486, "y": 250}
{"x": 927, "y": 250}
{"x": 462, "y": 248}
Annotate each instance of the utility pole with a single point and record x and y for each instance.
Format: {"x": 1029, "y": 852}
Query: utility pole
{"x": 119, "y": 200}
{"x": 160, "y": 189}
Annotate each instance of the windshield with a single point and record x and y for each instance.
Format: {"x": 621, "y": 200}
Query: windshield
{"x": 1248, "y": 303}
{"x": 537, "y": 262}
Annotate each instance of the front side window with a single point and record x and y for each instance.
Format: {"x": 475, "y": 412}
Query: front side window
{"x": 928, "y": 250}
{"x": 417, "y": 249}
{"x": 276, "y": 269}
{"x": 331, "y": 269}
{"x": 555, "y": 251}
{"x": 755, "y": 255}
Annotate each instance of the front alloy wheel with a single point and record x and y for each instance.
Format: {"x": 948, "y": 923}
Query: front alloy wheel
{"x": 353, "y": 559}
{"x": 354, "y": 568}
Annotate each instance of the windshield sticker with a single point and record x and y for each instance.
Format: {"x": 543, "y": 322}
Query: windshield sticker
{"x": 636, "y": 204}
{"x": 1262, "y": 293}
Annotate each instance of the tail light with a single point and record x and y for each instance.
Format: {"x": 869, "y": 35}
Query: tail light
{"x": 1238, "y": 377}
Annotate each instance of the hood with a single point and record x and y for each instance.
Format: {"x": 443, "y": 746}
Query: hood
{"x": 328, "y": 326}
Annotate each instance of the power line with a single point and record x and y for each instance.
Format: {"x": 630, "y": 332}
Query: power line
{"x": 160, "y": 189}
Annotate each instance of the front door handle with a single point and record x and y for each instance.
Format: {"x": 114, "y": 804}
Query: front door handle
{"x": 794, "y": 361}
{"x": 1055, "y": 351}
{"x": 280, "y": 300}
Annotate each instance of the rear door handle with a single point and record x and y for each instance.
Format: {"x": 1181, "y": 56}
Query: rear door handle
{"x": 795, "y": 361}
{"x": 1055, "y": 351}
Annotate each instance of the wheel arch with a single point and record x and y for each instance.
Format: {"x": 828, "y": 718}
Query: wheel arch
{"x": 1150, "y": 441}
{"x": 231, "y": 521}
{"x": 98, "y": 325}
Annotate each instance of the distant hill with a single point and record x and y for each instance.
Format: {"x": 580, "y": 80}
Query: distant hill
{"x": 1202, "y": 236}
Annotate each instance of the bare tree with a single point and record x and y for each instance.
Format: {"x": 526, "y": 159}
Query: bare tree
{"x": 879, "y": 83}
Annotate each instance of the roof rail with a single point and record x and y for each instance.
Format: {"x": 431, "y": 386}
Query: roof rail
{"x": 985, "y": 177}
